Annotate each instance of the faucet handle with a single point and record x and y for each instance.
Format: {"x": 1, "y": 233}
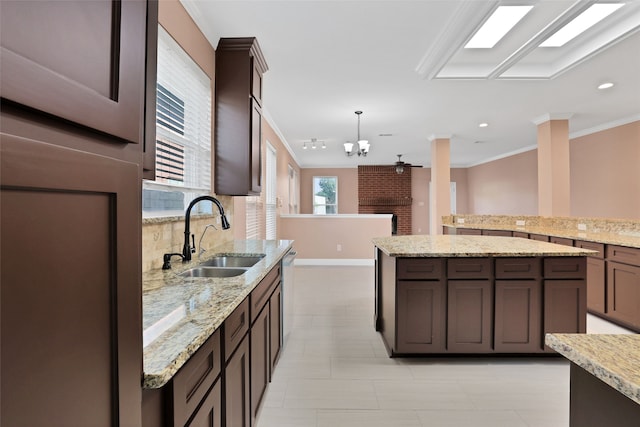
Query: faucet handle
{"x": 193, "y": 243}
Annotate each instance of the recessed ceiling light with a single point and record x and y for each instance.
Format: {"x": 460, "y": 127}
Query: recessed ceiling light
{"x": 483, "y": 125}
{"x": 581, "y": 23}
{"x": 503, "y": 19}
{"x": 606, "y": 85}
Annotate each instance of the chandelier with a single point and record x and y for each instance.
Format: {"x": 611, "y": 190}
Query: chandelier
{"x": 363, "y": 144}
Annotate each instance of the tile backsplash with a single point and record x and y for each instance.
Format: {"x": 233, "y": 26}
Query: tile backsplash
{"x": 166, "y": 235}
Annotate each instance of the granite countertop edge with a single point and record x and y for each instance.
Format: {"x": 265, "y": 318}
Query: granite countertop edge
{"x": 200, "y": 306}
{"x": 426, "y": 246}
{"x": 601, "y": 357}
{"x": 609, "y": 238}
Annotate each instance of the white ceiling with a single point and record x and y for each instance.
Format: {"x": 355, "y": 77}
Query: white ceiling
{"x": 403, "y": 64}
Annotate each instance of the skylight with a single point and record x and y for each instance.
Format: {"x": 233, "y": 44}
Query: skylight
{"x": 497, "y": 26}
{"x": 581, "y": 23}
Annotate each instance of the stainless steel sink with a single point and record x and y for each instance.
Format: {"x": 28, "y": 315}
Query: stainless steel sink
{"x": 214, "y": 272}
{"x": 232, "y": 261}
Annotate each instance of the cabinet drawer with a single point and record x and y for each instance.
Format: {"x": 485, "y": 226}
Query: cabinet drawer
{"x": 565, "y": 268}
{"x": 420, "y": 268}
{"x": 503, "y": 233}
{"x": 261, "y": 293}
{"x": 468, "y": 268}
{"x": 561, "y": 241}
{"x": 539, "y": 237}
{"x": 517, "y": 268}
{"x": 191, "y": 383}
{"x": 235, "y": 328}
{"x": 623, "y": 254}
{"x": 593, "y": 246}
{"x": 468, "y": 232}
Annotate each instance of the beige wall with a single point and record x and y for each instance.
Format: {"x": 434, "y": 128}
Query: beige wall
{"x": 318, "y": 236}
{"x": 605, "y": 173}
{"x": 506, "y": 186}
{"x": 347, "y": 188}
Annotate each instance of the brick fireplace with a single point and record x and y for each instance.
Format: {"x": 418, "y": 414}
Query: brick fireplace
{"x": 382, "y": 191}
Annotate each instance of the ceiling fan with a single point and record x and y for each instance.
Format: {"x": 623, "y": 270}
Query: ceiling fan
{"x": 400, "y": 165}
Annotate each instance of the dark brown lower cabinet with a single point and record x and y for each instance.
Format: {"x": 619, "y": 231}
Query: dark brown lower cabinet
{"x": 517, "y": 316}
{"x": 260, "y": 360}
{"x": 477, "y": 305}
{"x": 595, "y": 403}
{"x": 422, "y": 308}
{"x": 209, "y": 414}
{"x": 469, "y": 316}
{"x": 275, "y": 325}
{"x": 623, "y": 297}
{"x": 237, "y": 387}
{"x": 565, "y": 307}
{"x": 596, "y": 285}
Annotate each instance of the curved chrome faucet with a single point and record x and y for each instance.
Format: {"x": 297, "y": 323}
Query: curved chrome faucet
{"x": 187, "y": 249}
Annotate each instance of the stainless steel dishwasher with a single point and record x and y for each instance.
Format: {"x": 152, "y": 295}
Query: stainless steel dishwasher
{"x": 287, "y": 293}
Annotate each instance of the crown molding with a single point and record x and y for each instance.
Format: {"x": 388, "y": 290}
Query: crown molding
{"x": 551, "y": 116}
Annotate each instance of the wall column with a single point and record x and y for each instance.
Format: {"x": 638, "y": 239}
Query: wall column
{"x": 554, "y": 197}
{"x": 440, "y": 189}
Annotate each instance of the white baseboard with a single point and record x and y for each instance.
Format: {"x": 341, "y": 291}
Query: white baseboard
{"x": 334, "y": 261}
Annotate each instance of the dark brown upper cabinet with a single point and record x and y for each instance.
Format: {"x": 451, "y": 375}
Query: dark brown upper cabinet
{"x": 78, "y": 61}
{"x": 238, "y": 116}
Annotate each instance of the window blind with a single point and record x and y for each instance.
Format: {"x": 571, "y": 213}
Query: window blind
{"x": 271, "y": 193}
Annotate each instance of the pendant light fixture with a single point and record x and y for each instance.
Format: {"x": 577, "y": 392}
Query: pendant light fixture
{"x": 363, "y": 144}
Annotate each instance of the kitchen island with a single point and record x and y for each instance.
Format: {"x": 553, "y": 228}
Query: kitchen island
{"x": 605, "y": 378}
{"x": 476, "y": 294}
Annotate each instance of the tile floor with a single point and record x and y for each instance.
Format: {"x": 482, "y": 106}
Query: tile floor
{"x": 335, "y": 372}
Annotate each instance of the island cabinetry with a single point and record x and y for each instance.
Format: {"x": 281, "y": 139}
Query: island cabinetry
{"x": 421, "y": 299}
{"x": 623, "y": 285}
{"x": 238, "y": 129}
{"x": 464, "y": 305}
{"x": 518, "y": 305}
{"x": 596, "y": 277}
{"x": 521, "y": 234}
{"x": 565, "y": 295}
{"x": 469, "y": 305}
{"x": 265, "y": 335}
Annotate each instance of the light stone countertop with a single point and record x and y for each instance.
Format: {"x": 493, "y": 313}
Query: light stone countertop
{"x": 179, "y": 314}
{"x": 622, "y": 238}
{"x": 614, "y": 359}
{"x": 471, "y": 246}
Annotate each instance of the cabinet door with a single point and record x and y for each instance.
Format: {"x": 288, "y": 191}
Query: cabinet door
{"x": 469, "y": 317}
{"x": 596, "y": 285}
{"x": 565, "y": 306}
{"x": 82, "y": 61}
{"x": 71, "y": 348}
{"x": 210, "y": 412}
{"x": 256, "y": 148}
{"x": 260, "y": 360}
{"x": 517, "y": 316}
{"x": 275, "y": 325}
{"x": 421, "y": 308}
{"x": 623, "y": 285}
{"x": 237, "y": 386}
